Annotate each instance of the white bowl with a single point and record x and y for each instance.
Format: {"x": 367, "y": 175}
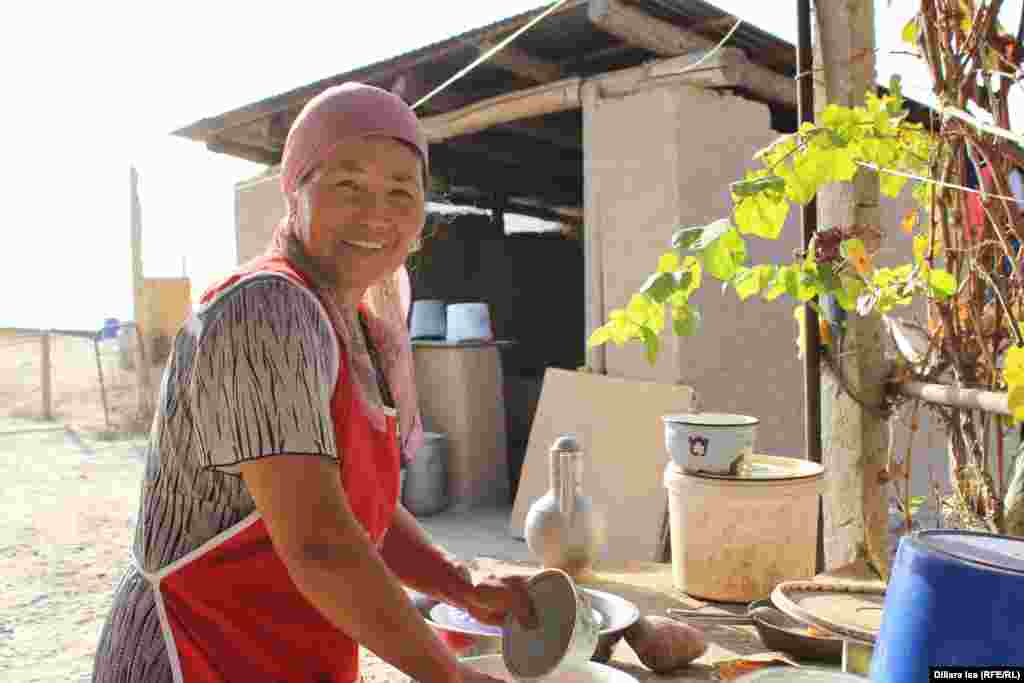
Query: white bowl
{"x": 565, "y": 637}
{"x": 709, "y": 442}
{"x": 587, "y": 672}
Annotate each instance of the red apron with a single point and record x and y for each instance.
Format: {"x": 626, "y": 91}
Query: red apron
{"x": 229, "y": 610}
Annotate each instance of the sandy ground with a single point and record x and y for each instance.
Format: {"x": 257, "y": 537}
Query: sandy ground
{"x": 70, "y": 495}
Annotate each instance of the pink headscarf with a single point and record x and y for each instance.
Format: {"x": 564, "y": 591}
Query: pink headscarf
{"x": 347, "y": 111}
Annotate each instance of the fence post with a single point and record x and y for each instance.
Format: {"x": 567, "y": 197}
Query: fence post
{"x": 47, "y": 376}
{"x": 103, "y": 386}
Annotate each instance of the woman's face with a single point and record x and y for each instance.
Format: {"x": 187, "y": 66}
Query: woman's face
{"x": 366, "y": 207}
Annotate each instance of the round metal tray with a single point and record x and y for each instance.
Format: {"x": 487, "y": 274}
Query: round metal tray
{"x": 848, "y": 611}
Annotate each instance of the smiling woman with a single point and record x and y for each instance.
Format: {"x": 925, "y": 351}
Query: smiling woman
{"x": 270, "y": 541}
{"x": 362, "y": 211}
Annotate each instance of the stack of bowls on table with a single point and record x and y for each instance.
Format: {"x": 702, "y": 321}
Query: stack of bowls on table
{"x": 740, "y": 522}
{"x": 610, "y": 614}
{"x": 564, "y": 641}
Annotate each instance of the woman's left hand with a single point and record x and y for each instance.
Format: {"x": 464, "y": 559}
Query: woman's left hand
{"x": 495, "y": 597}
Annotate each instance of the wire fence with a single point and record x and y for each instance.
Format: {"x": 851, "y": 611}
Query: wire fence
{"x": 78, "y": 378}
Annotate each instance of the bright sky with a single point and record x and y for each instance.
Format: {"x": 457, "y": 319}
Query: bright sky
{"x": 94, "y": 87}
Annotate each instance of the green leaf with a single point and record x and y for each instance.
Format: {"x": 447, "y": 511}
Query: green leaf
{"x": 712, "y": 232}
{"x": 790, "y": 279}
{"x": 801, "y": 179}
{"x": 776, "y": 288}
{"x": 843, "y": 165}
{"x": 696, "y": 270}
{"x": 650, "y": 344}
{"x": 685, "y": 238}
{"x": 638, "y": 309}
{"x": 895, "y": 106}
{"x": 920, "y": 248}
{"x": 807, "y": 286}
{"x": 723, "y": 256}
{"x": 762, "y": 215}
{"x": 685, "y": 320}
{"x": 745, "y": 282}
{"x": 752, "y": 186}
{"x": 891, "y": 185}
{"x": 848, "y": 293}
{"x": 884, "y": 277}
{"x": 1013, "y": 367}
{"x": 683, "y": 283}
{"x": 771, "y": 155}
{"x": 911, "y": 30}
{"x": 751, "y": 281}
{"x": 826, "y": 277}
{"x": 669, "y": 262}
{"x": 942, "y": 283}
{"x": 923, "y": 193}
{"x": 600, "y": 336}
{"x": 659, "y": 286}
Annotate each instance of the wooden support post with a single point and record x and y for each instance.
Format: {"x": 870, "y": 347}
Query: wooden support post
{"x": 103, "y": 386}
{"x": 145, "y": 392}
{"x": 855, "y": 435}
{"x": 47, "y": 375}
{"x": 593, "y": 260}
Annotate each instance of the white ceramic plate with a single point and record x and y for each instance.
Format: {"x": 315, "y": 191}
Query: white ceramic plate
{"x": 791, "y": 674}
{"x": 760, "y": 466}
{"x": 460, "y": 621}
{"x": 589, "y": 672}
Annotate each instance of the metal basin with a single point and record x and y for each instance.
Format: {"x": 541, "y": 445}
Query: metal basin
{"x": 616, "y": 615}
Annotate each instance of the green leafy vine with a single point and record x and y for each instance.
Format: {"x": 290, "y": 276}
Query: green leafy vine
{"x": 838, "y": 261}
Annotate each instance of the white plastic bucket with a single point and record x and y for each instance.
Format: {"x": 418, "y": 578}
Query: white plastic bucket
{"x": 734, "y": 539}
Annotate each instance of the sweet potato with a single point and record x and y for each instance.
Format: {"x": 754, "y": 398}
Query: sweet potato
{"x": 664, "y": 644}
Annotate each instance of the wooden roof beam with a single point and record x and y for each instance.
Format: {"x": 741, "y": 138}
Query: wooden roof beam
{"x": 521, "y": 63}
{"x": 668, "y": 40}
{"x": 636, "y": 27}
{"x": 719, "y": 25}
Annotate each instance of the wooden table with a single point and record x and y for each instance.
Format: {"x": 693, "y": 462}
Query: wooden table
{"x": 649, "y": 586}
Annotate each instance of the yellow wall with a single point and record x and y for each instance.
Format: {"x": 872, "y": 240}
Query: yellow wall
{"x": 166, "y": 304}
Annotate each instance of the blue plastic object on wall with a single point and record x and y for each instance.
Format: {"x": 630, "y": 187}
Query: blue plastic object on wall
{"x": 110, "y": 328}
{"x": 955, "y": 598}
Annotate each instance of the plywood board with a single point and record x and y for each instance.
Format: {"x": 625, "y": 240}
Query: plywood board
{"x": 619, "y": 424}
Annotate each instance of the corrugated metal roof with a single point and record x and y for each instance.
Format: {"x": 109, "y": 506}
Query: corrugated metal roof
{"x": 506, "y": 158}
{"x": 566, "y": 37}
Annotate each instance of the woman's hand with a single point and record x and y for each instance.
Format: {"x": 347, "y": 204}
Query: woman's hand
{"x": 494, "y": 597}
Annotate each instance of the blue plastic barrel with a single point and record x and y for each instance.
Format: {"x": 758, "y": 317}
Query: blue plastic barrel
{"x": 955, "y": 598}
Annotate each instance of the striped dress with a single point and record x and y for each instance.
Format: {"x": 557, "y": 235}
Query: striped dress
{"x": 251, "y": 375}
